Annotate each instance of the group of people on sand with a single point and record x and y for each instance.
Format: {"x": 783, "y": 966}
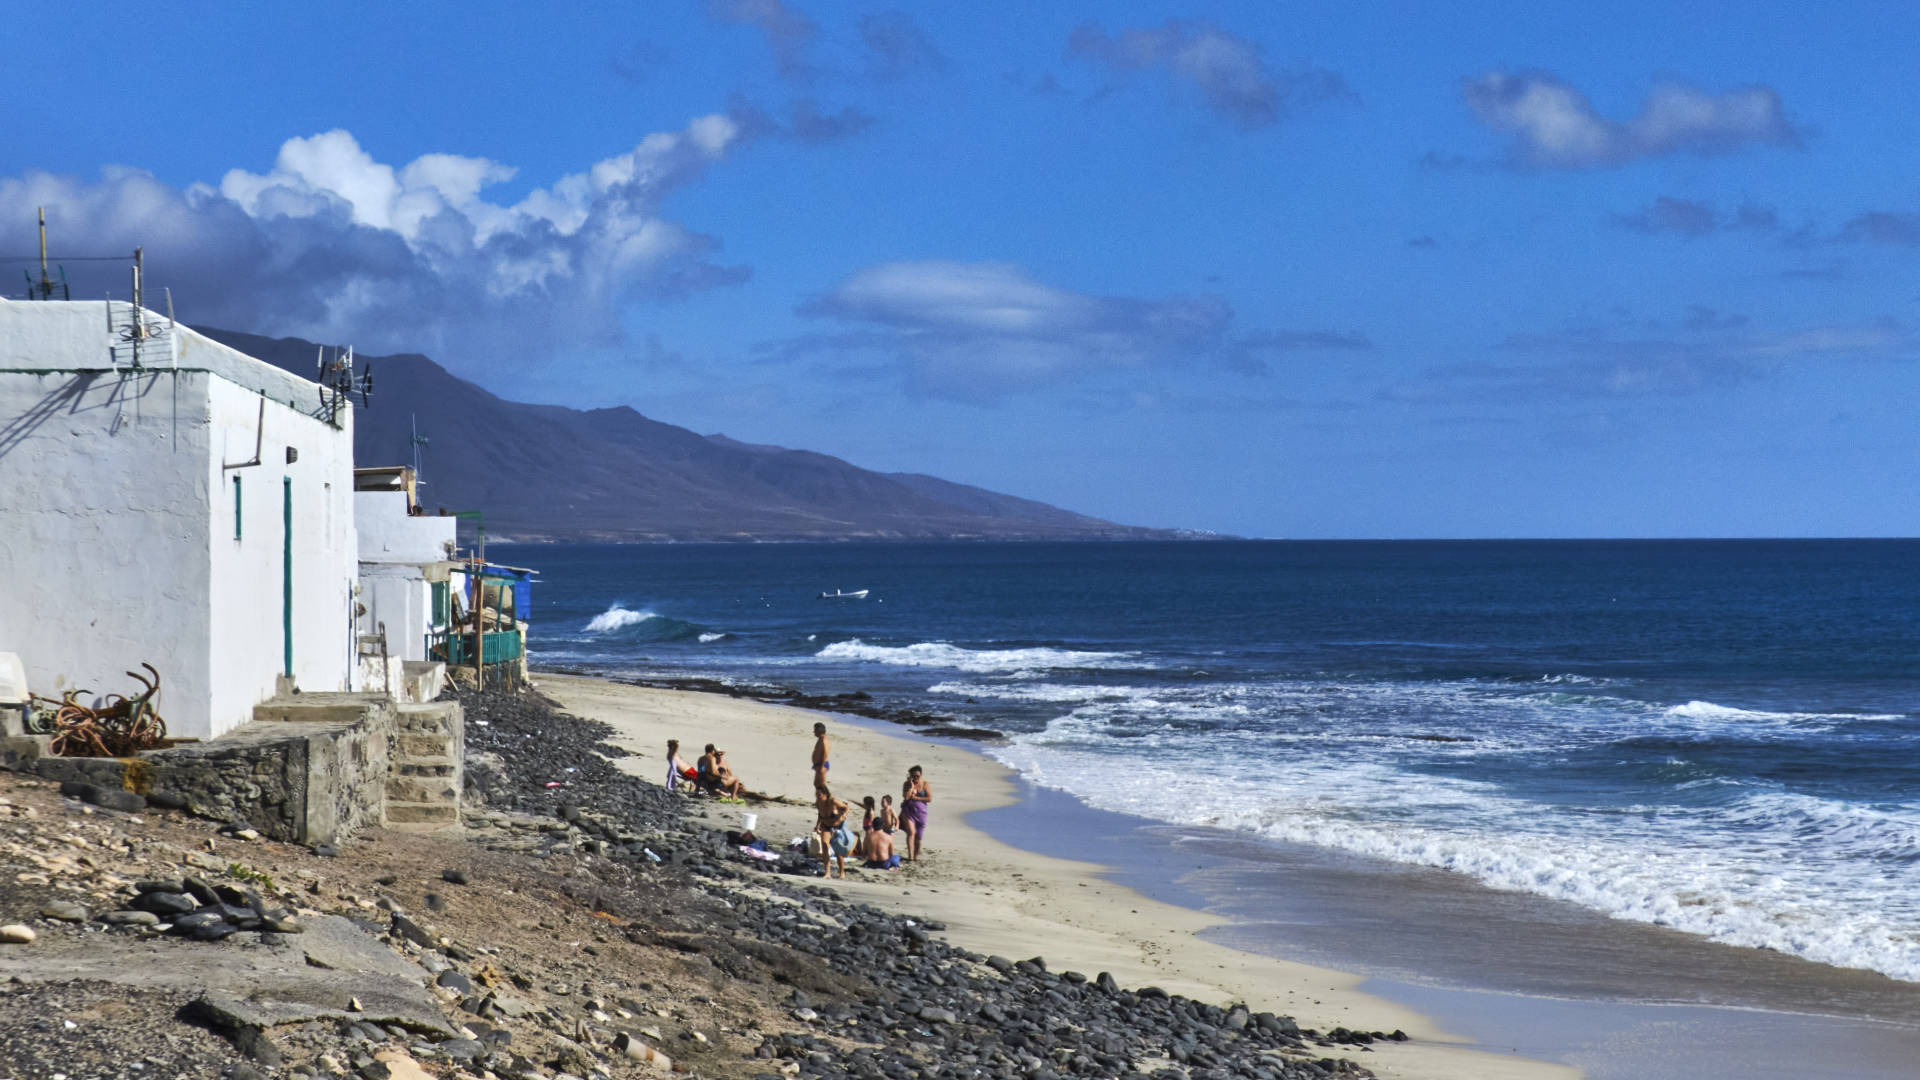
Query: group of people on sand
{"x": 710, "y": 775}
{"x": 872, "y": 847}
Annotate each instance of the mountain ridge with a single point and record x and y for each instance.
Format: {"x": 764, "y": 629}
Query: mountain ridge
{"x": 555, "y": 473}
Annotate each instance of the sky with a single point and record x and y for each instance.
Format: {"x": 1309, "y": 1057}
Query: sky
{"x": 1273, "y": 270}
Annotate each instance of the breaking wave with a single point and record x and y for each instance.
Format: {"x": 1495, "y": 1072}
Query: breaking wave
{"x": 940, "y": 654}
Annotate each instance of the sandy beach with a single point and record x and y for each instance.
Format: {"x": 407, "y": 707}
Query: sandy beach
{"x": 996, "y": 898}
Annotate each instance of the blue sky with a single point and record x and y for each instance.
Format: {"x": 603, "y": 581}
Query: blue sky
{"x": 1273, "y": 270}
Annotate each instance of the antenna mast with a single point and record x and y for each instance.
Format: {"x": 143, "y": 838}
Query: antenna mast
{"x": 43, "y": 289}
{"x": 416, "y": 440}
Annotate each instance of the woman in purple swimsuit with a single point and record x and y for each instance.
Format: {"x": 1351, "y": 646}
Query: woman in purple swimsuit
{"x": 915, "y": 794}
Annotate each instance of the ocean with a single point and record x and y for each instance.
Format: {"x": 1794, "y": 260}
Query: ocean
{"x": 1721, "y": 737}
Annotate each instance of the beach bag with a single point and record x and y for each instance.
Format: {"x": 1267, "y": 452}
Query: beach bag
{"x": 814, "y": 847}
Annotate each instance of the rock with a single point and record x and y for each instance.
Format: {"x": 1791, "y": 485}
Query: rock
{"x": 65, "y": 911}
{"x": 164, "y": 903}
{"x": 454, "y": 981}
{"x": 166, "y": 800}
{"x": 17, "y": 934}
{"x": 806, "y": 1016}
{"x": 172, "y": 885}
{"x": 508, "y": 1005}
{"x": 1000, "y": 964}
{"x": 462, "y": 1049}
{"x": 128, "y": 802}
{"x": 454, "y": 877}
{"x": 412, "y": 931}
{"x": 436, "y": 902}
{"x": 326, "y": 851}
{"x": 934, "y": 1015}
{"x": 1237, "y": 1018}
{"x": 188, "y": 924}
{"x": 130, "y": 918}
{"x": 214, "y": 931}
{"x": 198, "y": 889}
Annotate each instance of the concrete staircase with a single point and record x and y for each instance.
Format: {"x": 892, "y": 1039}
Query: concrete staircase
{"x": 426, "y": 767}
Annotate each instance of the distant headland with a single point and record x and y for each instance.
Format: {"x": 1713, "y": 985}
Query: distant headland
{"x": 550, "y": 473}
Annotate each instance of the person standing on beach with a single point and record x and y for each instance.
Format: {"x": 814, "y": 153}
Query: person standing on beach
{"x": 889, "y": 820}
{"x": 835, "y": 832}
{"x": 820, "y": 762}
{"x": 915, "y": 794}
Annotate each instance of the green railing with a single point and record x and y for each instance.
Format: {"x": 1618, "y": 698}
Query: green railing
{"x": 456, "y": 648}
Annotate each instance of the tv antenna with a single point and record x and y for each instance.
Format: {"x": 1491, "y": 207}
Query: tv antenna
{"x": 339, "y": 382}
{"x": 43, "y": 289}
{"x": 417, "y": 441}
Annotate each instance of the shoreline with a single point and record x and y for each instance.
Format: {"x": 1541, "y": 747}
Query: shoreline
{"x": 1194, "y": 923}
{"x": 998, "y": 898}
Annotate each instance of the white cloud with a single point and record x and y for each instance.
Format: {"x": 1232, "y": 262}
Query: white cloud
{"x": 980, "y": 331}
{"x": 1227, "y": 70}
{"x": 331, "y": 243}
{"x": 1554, "y": 126}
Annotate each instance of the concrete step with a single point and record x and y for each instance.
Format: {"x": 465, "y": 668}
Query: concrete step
{"x": 422, "y": 746}
{"x": 399, "y": 768}
{"x": 328, "y": 708}
{"x": 428, "y": 718}
{"x": 437, "y": 790}
{"x": 421, "y": 817}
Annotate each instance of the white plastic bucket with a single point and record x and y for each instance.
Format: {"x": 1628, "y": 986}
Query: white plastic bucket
{"x": 748, "y": 821}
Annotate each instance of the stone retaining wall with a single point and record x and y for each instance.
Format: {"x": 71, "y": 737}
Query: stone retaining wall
{"x": 307, "y": 771}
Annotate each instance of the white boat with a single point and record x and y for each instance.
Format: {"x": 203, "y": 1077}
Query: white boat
{"x": 842, "y": 594}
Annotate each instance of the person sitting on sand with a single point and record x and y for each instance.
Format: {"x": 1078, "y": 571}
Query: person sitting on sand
{"x": 869, "y": 821}
{"x": 723, "y": 782}
{"x": 879, "y": 846}
{"x": 703, "y": 771}
{"x": 833, "y": 828}
{"x": 679, "y": 773}
{"x": 820, "y": 762}
{"x": 915, "y": 794}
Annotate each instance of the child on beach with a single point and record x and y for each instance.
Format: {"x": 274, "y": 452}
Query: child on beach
{"x": 915, "y": 794}
{"x": 889, "y": 820}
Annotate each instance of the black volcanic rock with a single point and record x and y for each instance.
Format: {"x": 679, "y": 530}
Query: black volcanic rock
{"x": 546, "y": 472}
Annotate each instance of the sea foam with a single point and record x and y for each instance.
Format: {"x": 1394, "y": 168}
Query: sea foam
{"x": 617, "y": 617}
{"x": 941, "y": 654}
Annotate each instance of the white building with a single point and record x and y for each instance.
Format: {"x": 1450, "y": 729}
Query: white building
{"x": 403, "y": 555}
{"x": 194, "y": 512}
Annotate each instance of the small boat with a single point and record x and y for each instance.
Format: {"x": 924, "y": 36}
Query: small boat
{"x": 842, "y": 594}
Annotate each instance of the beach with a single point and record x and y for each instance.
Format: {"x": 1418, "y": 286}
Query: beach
{"x": 996, "y": 898}
{"x": 1486, "y": 984}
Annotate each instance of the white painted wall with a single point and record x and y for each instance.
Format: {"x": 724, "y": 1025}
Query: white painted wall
{"x": 247, "y": 594}
{"x": 116, "y": 519}
{"x": 389, "y": 535}
{"x": 398, "y": 596}
{"x": 395, "y": 549}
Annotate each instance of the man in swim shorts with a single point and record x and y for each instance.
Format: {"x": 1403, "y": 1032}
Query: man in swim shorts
{"x": 879, "y": 844}
{"x": 820, "y": 762}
